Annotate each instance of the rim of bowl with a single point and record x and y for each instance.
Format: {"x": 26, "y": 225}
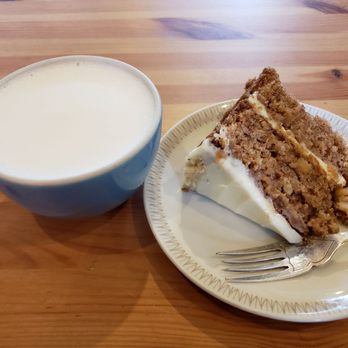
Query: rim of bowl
{"x": 119, "y": 161}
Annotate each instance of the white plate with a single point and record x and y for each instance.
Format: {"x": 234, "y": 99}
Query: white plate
{"x": 191, "y": 229}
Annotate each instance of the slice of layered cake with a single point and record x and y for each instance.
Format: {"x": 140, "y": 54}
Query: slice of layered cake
{"x": 272, "y": 162}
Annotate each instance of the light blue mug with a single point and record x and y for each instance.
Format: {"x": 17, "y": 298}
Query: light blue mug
{"x": 93, "y": 192}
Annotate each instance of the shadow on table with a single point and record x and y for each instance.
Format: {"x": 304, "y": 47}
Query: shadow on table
{"x": 85, "y": 235}
{"x": 221, "y": 322}
{"x": 85, "y": 301}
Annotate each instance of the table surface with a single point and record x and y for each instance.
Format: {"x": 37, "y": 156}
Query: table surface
{"x": 104, "y": 282}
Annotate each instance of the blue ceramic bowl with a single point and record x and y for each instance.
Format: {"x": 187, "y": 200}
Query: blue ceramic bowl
{"x": 95, "y": 192}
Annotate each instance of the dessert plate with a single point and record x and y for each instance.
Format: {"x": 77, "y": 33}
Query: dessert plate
{"x": 190, "y": 229}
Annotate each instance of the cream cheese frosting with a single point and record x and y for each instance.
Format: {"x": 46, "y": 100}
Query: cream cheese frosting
{"x": 226, "y": 180}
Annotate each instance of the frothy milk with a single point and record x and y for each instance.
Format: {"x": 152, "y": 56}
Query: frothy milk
{"x": 71, "y": 117}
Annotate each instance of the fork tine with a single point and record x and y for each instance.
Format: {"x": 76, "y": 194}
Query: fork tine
{"x": 268, "y": 276}
{"x": 250, "y": 251}
{"x": 243, "y": 260}
{"x": 259, "y": 267}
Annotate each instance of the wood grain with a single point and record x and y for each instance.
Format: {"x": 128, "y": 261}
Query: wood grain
{"x": 104, "y": 282}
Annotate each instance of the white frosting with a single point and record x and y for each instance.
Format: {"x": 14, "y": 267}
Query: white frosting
{"x": 227, "y": 181}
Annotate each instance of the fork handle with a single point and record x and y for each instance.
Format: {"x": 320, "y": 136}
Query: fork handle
{"x": 341, "y": 237}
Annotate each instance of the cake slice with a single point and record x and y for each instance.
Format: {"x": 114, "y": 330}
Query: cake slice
{"x": 272, "y": 162}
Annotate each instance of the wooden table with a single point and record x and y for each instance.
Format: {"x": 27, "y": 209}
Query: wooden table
{"x": 104, "y": 282}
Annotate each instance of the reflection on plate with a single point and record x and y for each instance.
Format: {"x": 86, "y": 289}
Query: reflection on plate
{"x": 190, "y": 229}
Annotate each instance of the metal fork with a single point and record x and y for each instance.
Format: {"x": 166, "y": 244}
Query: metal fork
{"x": 281, "y": 260}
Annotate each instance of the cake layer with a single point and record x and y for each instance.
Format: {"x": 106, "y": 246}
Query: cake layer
{"x": 314, "y": 132}
{"x": 298, "y": 187}
{"x": 331, "y": 172}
